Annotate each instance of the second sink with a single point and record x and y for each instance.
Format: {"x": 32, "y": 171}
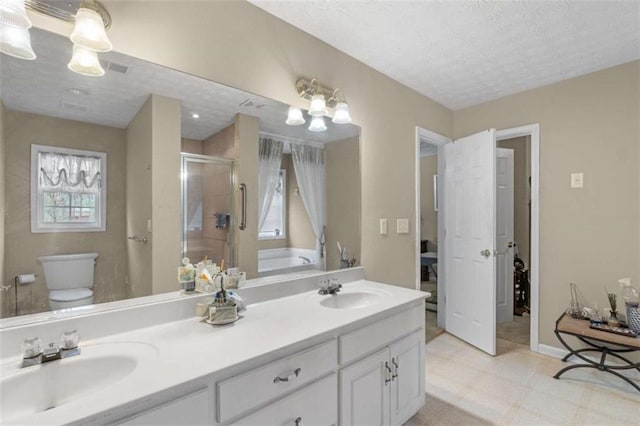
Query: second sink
{"x": 355, "y": 299}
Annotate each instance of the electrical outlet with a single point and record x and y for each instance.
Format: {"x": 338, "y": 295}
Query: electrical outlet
{"x": 383, "y": 226}
{"x": 577, "y": 180}
{"x": 402, "y": 226}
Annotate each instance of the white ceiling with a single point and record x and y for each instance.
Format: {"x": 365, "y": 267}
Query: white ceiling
{"x": 42, "y": 87}
{"x": 463, "y": 53}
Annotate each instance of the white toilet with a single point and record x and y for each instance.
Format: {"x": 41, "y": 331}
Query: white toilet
{"x": 69, "y": 279}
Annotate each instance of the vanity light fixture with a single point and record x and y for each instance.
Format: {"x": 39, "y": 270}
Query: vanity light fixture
{"x": 317, "y": 124}
{"x": 89, "y": 31}
{"x": 88, "y": 36}
{"x": 16, "y": 42}
{"x": 295, "y": 117}
{"x": 14, "y": 30}
{"x": 85, "y": 62}
{"x": 13, "y": 14}
{"x": 321, "y": 98}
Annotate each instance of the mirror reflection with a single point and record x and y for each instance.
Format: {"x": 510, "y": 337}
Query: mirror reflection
{"x": 109, "y": 181}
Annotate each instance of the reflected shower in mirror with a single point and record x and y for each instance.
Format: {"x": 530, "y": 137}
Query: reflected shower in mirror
{"x": 174, "y": 146}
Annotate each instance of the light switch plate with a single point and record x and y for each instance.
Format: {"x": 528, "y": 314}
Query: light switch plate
{"x": 149, "y": 227}
{"x": 383, "y": 226}
{"x": 402, "y": 226}
{"x": 577, "y": 180}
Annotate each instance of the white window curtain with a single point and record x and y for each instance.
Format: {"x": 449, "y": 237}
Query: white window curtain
{"x": 308, "y": 163}
{"x": 269, "y": 159}
{"x": 69, "y": 173}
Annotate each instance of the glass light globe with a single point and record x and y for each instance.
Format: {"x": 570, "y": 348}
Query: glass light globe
{"x": 341, "y": 114}
{"x": 16, "y": 42}
{"x": 85, "y": 62}
{"x": 318, "y": 106}
{"x": 317, "y": 125}
{"x": 89, "y": 31}
{"x": 13, "y": 14}
{"x": 294, "y": 117}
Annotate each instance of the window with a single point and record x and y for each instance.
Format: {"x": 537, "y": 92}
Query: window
{"x": 274, "y": 225}
{"x": 68, "y": 190}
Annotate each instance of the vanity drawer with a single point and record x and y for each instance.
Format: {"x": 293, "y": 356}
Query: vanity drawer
{"x": 373, "y": 336}
{"x": 316, "y": 404}
{"x": 248, "y": 390}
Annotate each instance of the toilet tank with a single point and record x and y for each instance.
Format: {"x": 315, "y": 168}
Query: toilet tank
{"x": 67, "y": 271}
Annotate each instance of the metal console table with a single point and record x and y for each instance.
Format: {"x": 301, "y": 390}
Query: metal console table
{"x": 603, "y": 342}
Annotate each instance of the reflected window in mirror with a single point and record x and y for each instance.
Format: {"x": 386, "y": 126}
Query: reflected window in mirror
{"x": 275, "y": 223}
{"x": 68, "y": 190}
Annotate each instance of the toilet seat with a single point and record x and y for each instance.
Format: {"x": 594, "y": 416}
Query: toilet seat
{"x": 70, "y": 295}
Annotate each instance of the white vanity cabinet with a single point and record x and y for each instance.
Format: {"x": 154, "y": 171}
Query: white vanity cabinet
{"x": 388, "y": 386}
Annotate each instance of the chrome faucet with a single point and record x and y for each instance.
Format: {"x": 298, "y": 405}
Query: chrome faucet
{"x": 331, "y": 286}
{"x": 32, "y": 353}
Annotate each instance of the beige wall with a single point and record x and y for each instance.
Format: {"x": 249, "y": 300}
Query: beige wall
{"x": 591, "y": 235}
{"x": 342, "y": 170}
{"x": 222, "y": 144}
{"x": 191, "y": 146}
{"x": 167, "y": 208}
{"x": 246, "y": 141}
{"x": 139, "y": 200}
{"x": 21, "y": 130}
{"x": 428, "y": 216}
{"x": 521, "y": 172}
{"x": 261, "y": 54}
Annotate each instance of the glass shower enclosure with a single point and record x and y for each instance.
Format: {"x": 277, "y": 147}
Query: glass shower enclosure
{"x": 208, "y": 208}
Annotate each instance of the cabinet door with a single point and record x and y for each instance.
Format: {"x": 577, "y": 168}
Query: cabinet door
{"x": 364, "y": 391}
{"x": 192, "y": 409}
{"x": 316, "y": 404}
{"x": 407, "y": 387}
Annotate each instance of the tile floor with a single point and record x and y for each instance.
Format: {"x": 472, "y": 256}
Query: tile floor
{"x": 517, "y": 387}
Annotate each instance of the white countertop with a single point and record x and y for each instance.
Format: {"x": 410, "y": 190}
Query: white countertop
{"x": 191, "y": 350}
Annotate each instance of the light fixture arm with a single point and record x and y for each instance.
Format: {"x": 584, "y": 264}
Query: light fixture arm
{"x": 307, "y": 88}
{"x": 67, "y": 12}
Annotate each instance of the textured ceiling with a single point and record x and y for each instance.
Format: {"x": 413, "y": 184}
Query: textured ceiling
{"x": 463, "y": 53}
{"x": 42, "y": 87}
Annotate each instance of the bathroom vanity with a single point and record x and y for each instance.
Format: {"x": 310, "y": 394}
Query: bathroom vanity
{"x": 356, "y": 357}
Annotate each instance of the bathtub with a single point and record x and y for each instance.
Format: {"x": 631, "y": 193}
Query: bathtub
{"x": 285, "y": 260}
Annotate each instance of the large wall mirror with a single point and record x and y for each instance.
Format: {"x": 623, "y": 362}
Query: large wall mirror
{"x": 153, "y": 163}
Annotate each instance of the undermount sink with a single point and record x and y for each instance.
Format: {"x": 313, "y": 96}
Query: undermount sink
{"x": 43, "y": 387}
{"x": 353, "y": 299}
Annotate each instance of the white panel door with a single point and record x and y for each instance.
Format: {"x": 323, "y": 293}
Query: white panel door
{"x": 407, "y": 387}
{"x": 364, "y": 391}
{"x": 504, "y": 235}
{"x": 470, "y": 236}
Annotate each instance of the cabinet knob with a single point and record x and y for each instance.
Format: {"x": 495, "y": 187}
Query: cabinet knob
{"x": 298, "y": 420}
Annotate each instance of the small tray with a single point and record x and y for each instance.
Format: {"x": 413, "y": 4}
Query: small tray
{"x": 616, "y": 330}
{"x": 222, "y": 322}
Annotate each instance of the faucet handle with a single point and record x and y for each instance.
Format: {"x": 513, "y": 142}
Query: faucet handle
{"x": 324, "y": 284}
{"x": 31, "y": 347}
{"x": 69, "y": 340}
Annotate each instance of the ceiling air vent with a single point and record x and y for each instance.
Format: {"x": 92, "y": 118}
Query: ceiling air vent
{"x": 251, "y": 104}
{"x": 73, "y": 107}
{"x": 115, "y": 67}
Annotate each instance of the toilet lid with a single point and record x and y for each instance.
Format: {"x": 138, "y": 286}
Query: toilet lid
{"x": 70, "y": 295}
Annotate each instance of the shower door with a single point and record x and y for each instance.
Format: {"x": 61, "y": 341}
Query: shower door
{"x": 207, "y": 208}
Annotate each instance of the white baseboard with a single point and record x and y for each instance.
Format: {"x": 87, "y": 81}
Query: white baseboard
{"x": 552, "y": 351}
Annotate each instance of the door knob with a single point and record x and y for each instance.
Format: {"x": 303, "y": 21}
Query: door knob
{"x": 486, "y": 253}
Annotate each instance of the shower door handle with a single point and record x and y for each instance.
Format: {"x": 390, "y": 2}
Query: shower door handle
{"x": 243, "y": 201}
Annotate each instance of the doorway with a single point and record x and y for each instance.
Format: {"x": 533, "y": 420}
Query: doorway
{"x": 522, "y": 302}
{"x": 429, "y": 231}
